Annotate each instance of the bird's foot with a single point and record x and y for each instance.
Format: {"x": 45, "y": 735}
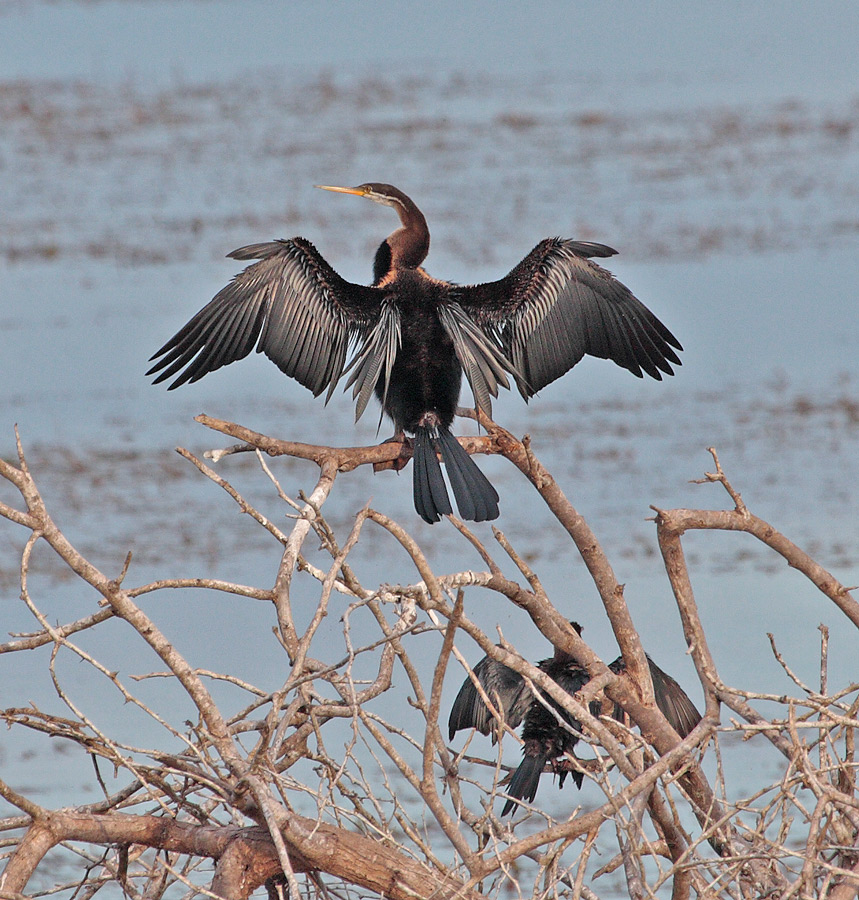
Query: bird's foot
{"x": 400, "y": 461}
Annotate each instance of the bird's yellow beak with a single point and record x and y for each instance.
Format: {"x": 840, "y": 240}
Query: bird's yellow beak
{"x": 360, "y": 192}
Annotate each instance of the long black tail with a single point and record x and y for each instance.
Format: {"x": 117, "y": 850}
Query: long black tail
{"x": 476, "y": 498}
{"x": 523, "y": 784}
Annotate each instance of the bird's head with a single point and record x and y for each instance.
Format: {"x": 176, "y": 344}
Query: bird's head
{"x": 385, "y": 194}
{"x": 409, "y": 244}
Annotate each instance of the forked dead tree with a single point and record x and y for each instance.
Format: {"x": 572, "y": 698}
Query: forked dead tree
{"x": 275, "y": 794}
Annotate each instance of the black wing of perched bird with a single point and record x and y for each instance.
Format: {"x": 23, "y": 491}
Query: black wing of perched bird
{"x": 672, "y": 700}
{"x": 506, "y": 689}
{"x": 413, "y": 336}
{"x": 290, "y": 305}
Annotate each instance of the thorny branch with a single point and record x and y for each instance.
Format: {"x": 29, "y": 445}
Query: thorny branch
{"x": 298, "y": 784}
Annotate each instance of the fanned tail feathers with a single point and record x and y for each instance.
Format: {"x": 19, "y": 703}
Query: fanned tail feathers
{"x": 475, "y": 497}
{"x": 431, "y": 499}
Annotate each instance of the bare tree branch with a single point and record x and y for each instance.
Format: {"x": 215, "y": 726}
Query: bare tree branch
{"x": 393, "y": 811}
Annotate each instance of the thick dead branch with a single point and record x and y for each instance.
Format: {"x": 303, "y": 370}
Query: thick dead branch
{"x": 332, "y": 850}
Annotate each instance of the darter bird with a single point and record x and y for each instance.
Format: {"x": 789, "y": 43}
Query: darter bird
{"x": 549, "y": 734}
{"x": 412, "y": 336}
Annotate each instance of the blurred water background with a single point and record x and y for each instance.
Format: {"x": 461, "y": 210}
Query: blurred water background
{"x": 715, "y": 146}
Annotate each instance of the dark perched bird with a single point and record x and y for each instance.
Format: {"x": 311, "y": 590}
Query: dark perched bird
{"x": 413, "y": 336}
{"x": 548, "y": 733}
{"x": 545, "y": 738}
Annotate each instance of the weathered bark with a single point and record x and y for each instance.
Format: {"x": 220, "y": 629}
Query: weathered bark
{"x": 251, "y": 855}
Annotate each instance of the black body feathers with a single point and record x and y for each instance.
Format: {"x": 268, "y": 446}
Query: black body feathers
{"x": 549, "y": 732}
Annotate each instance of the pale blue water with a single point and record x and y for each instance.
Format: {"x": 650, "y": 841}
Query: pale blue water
{"x": 716, "y": 147}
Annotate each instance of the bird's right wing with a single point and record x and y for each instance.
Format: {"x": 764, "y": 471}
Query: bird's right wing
{"x": 291, "y": 304}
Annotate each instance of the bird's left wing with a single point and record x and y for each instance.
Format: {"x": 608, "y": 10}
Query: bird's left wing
{"x": 557, "y": 305}
{"x": 673, "y": 701}
{"x": 505, "y": 688}
{"x": 377, "y": 353}
{"x": 291, "y": 304}
{"x": 478, "y": 353}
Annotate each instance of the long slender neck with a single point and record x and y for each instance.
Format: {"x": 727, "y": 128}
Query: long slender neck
{"x": 410, "y": 243}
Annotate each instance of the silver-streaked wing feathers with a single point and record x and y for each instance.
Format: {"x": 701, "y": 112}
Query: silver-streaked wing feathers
{"x": 376, "y": 354}
{"x": 557, "y": 305}
{"x": 478, "y": 353}
{"x": 508, "y": 691}
{"x": 290, "y": 304}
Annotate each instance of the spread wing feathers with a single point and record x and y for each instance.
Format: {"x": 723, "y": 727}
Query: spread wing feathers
{"x": 672, "y": 700}
{"x": 506, "y": 689}
{"x": 479, "y": 355}
{"x": 378, "y": 350}
{"x": 291, "y": 304}
{"x": 557, "y": 305}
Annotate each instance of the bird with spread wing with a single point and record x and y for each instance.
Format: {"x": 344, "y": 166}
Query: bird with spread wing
{"x": 412, "y": 336}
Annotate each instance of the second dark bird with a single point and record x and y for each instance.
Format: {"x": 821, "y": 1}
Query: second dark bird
{"x": 413, "y": 336}
{"x": 550, "y": 733}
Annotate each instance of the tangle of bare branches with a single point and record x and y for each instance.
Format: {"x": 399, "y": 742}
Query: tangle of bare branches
{"x": 311, "y": 787}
